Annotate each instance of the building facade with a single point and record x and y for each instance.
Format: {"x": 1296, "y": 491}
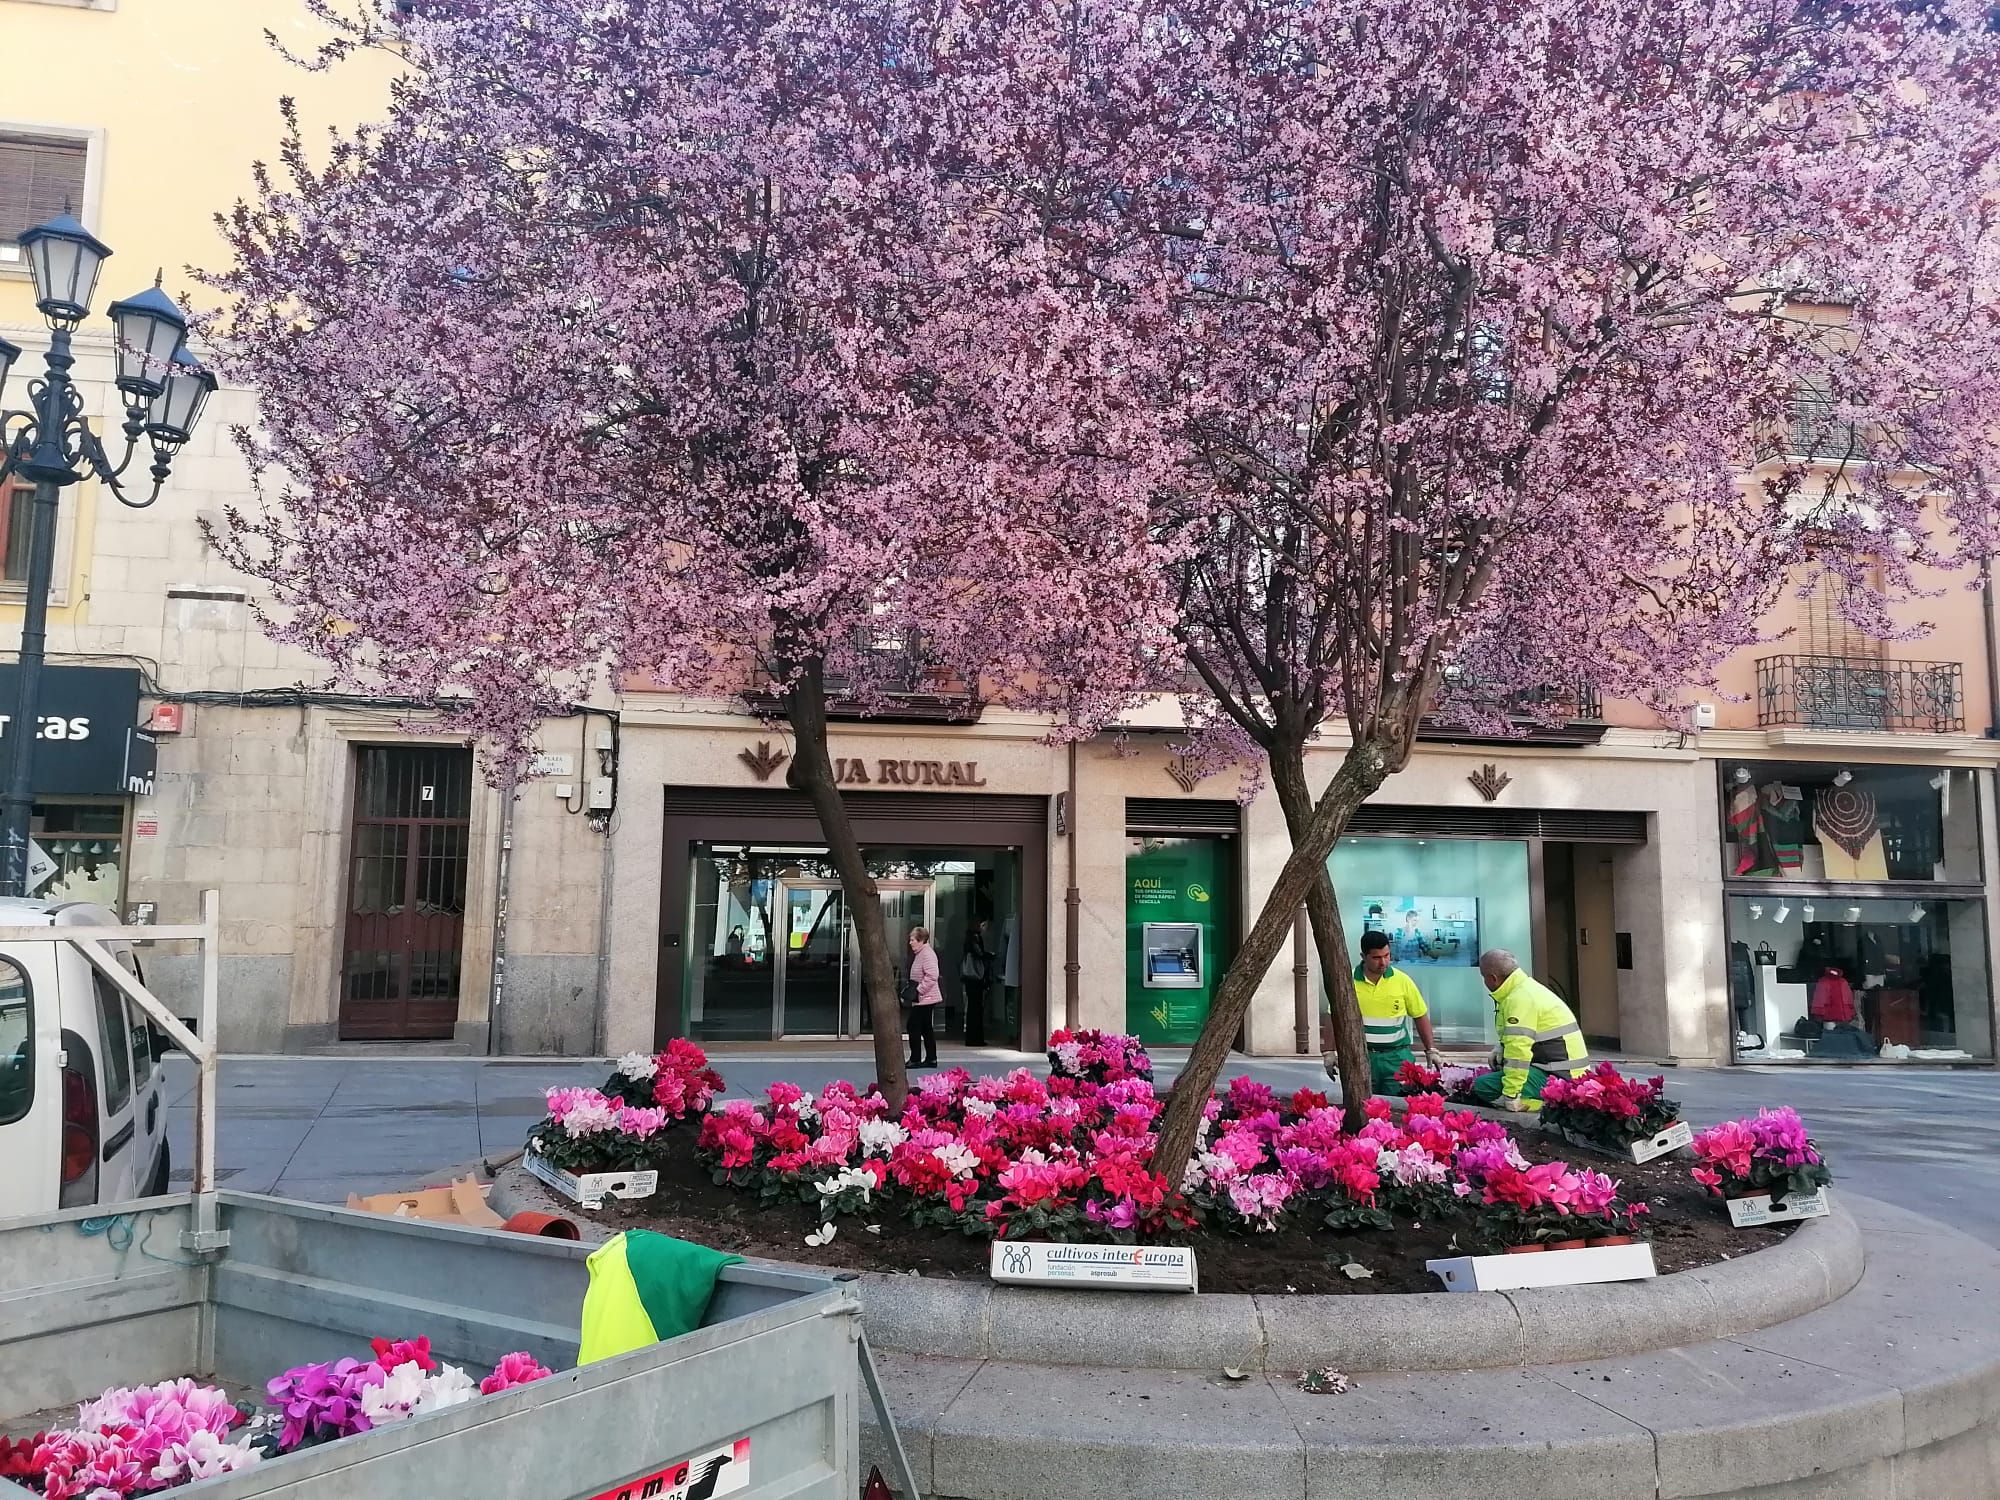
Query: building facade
{"x": 1801, "y": 872}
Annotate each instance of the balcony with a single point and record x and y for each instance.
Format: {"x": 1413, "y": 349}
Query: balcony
{"x": 1810, "y": 432}
{"x": 1558, "y": 715}
{"x": 908, "y": 690}
{"x": 1859, "y": 693}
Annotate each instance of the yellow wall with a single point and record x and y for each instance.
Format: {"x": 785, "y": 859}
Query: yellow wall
{"x": 185, "y": 93}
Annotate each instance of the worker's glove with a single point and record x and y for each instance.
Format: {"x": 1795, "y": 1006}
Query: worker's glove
{"x": 1431, "y": 1059}
{"x": 1514, "y": 1106}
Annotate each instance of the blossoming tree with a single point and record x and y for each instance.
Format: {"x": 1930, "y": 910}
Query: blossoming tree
{"x": 1460, "y": 326}
{"x": 647, "y": 340}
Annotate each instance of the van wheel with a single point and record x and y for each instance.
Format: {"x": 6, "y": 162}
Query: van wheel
{"x": 157, "y": 1187}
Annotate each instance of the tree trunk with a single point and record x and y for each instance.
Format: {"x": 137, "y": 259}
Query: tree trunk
{"x": 812, "y": 773}
{"x": 1360, "y": 773}
{"x": 1350, "y": 1040}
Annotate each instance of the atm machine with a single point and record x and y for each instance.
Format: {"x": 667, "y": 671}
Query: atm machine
{"x": 1173, "y": 955}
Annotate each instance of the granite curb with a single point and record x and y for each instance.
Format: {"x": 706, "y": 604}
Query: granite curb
{"x": 1891, "y": 1392}
{"x": 1817, "y": 1264}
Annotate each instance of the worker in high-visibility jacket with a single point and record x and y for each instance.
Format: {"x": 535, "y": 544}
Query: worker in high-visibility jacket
{"x": 1390, "y": 1004}
{"x": 1539, "y": 1035}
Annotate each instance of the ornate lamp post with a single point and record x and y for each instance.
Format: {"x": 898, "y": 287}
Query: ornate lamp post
{"x": 51, "y": 443}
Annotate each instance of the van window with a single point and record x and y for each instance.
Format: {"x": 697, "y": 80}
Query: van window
{"x": 117, "y": 1044}
{"x": 17, "y": 1043}
{"x": 142, "y": 1031}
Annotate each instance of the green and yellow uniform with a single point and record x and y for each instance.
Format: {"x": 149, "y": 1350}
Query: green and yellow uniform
{"x": 645, "y": 1287}
{"x": 1388, "y": 1006}
{"x": 1539, "y": 1035}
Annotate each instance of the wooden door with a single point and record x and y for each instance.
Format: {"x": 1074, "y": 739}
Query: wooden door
{"x": 408, "y": 853}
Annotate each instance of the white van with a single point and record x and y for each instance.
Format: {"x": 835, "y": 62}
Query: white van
{"x": 82, "y": 1112}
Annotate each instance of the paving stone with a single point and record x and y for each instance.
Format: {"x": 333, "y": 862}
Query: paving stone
{"x": 919, "y": 1392}
{"x": 1028, "y": 1430}
{"x": 1720, "y": 1408}
{"x": 1489, "y": 1432}
{"x": 1925, "y": 1321}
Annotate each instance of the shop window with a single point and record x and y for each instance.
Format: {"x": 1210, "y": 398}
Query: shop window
{"x": 1833, "y": 978}
{"x": 1829, "y": 823}
{"x": 86, "y": 843}
{"x": 1442, "y": 902}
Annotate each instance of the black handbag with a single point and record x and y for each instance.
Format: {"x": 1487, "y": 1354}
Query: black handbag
{"x": 906, "y": 991}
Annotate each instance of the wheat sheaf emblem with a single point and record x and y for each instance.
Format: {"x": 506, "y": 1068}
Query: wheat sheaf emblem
{"x": 763, "y": 760}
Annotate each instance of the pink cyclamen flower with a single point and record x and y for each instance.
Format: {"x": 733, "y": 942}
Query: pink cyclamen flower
{"x": 519, "y": 1368}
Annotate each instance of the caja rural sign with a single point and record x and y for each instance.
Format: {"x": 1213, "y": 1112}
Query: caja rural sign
{"x": 88, "y": 741}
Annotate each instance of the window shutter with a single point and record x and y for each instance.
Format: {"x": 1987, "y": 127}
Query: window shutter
{"x": 39, "y": 178}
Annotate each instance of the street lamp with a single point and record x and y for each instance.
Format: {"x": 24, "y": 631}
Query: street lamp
{"x": 51, "y": 443}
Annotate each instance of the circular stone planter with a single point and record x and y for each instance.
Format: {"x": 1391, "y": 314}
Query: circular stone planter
{"x": 975, "y": 1320}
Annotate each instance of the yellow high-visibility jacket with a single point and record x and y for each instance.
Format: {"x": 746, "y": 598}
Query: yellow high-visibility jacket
{"x": 1535, "y": 1028}
{"x": 1387, "y": 1006}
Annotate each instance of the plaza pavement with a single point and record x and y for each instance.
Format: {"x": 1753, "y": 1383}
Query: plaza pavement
{"x": 319, "y": 1128}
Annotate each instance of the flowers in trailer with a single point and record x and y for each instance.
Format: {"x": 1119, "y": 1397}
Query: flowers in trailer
{"x": 519, "y": 1368}
{"x": 135, "y": 1440}
{"x": 1769, "y": 1154}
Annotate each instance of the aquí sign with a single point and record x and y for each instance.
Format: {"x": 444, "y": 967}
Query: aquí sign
{"x": 1132, "y": 1268}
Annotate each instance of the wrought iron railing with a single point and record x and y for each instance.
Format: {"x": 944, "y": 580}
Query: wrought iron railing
{"x": 1571, "y": 713}
{"x": 1810, "y": 431}
{"x": 1856, "y": 692}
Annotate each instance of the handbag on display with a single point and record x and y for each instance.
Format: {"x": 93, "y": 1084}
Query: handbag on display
{"x": 1767, "y": 956}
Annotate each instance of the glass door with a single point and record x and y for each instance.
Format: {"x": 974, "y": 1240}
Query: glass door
{"x": 811, "y": 959}
{"x": 819, "y": 991}
{"x": 905, "y": 904}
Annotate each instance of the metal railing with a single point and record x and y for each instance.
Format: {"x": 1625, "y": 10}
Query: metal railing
{"x": 1810, "y": 431}
{"x": 1853, "y": 692}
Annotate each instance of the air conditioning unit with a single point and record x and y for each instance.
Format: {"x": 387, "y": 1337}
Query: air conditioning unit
{"x": 1703, "y": 716}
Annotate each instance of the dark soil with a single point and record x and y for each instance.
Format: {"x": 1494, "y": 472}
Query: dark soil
{"x": 1688, "y": 1229}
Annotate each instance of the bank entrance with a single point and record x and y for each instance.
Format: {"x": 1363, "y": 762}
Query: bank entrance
{"x": 758, "y": 942}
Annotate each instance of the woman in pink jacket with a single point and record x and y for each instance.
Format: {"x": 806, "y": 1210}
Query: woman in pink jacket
{"x": 929, "y": 996}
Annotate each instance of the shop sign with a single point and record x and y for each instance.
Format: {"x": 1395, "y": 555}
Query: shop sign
{"x": 88, "y": 741}
{"x": 1133, "y": 1268}
{"x": 886, "y": 772}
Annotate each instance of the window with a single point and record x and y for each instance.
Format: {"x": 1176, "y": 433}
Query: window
{"x": 114, "y": 1033}
{"x": 17, "y": 1043}
{"x": 40, "y": 177}
{"x": 142, "y": 1026}
{"x": 20, "y": 531}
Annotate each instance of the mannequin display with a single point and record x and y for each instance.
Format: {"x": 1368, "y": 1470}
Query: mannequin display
{"x": 1782, "y": 816}
{"x": 1746, "y": 829}
{"x": 1850, "y": 834}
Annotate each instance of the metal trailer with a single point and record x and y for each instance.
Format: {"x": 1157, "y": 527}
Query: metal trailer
{"x": 90, "y": 1300}
{"x": 237, "y": 1288}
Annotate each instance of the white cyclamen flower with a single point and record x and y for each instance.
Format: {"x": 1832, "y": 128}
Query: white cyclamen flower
{"x": 589, "y": 1119}
{"x": 959, "y": 1159}
{"x": 450, "y": 1386}
{"x": 880, "y": 1137}
{"x": 1070, "y": 1056}
{"x": 637, "y": 1065}
{"x": 986, "y": 1109}
{"x": 202, "y": 1456}
{"x": 392, "y": 1399}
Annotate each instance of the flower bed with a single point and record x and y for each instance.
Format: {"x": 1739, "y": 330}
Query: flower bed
{"x": 618, "y": 1128}
{"x": 160, "y": 1437}
{"x": 1022, "y": 1157}
{"x": 838, "y": 1177}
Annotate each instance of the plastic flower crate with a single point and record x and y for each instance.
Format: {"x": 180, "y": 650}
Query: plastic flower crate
{"x": 590, "y": 1189}
{"x": 1501, "y": 1273}
{"x": 1760, "y": 1209}
{"x": 1675, "y": 1137}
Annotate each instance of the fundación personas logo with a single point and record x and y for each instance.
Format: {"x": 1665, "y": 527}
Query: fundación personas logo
{"x": 1018, "y": 1260}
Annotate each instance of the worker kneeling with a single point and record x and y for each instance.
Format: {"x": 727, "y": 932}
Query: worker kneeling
{"x": 1539, "y": 1036}
{"x": 1390, "y": 1005}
